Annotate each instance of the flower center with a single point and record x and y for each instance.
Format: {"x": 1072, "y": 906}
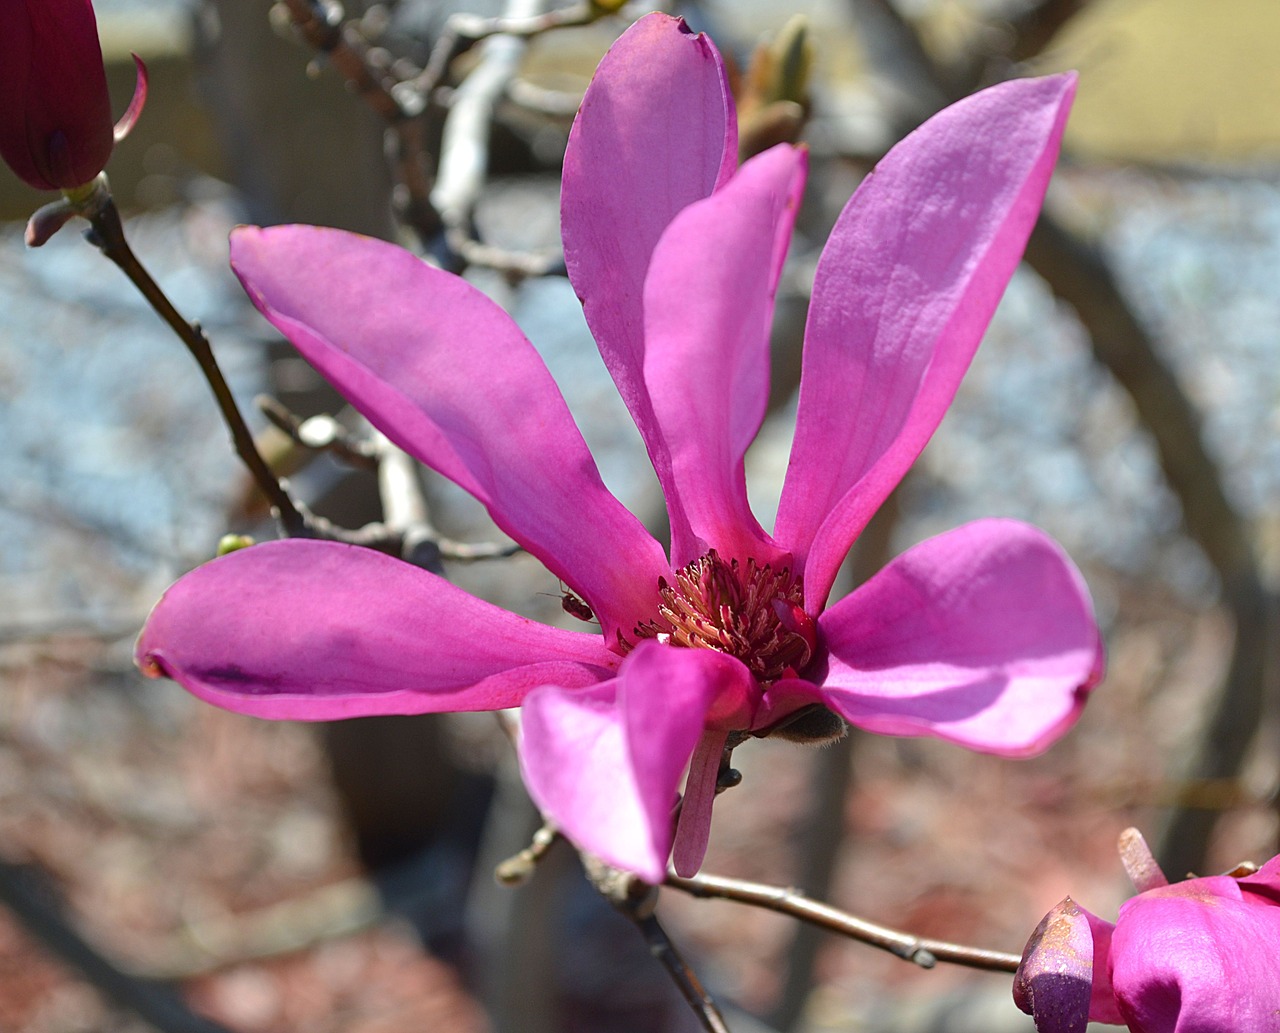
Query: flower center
{"x": 750, "y": 612}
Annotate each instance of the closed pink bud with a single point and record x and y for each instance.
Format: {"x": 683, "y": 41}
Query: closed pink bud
{"x": 56, "y": 130}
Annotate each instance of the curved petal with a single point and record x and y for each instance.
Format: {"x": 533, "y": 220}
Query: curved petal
{"x": 902, "y": 295}
{"x": 447, "y": 375}
{"x": 133, "y": 112}
{"x": 605, "y": 763}
{"x": 315, "y": 631}
{"x": 983, "y": 636}
{"x": 1264, "y": 883}
{"x": 656, "y": 132}
{"x": 708, "y": 306}
{"x": 1058, "y": 979}
{"x": 693, "y": 828}
{"x": 1196, "y": 956}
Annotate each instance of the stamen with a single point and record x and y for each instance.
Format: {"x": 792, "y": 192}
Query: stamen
{"x": 752, "y": 613}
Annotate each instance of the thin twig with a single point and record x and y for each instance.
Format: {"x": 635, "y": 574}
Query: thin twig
{"x": 637, "y": 900}
{"x": 321, "y": 433}
{"x": 464, "y": 146}
{"x": 404, "y": 506}
{"x": 322, "y": 27}
{"x": 397, "y": 103}
{"x": 108, "y": 235}
{"x": 686, "y": 980}
{"x": 922, "y": 951}
{"x": 517, "y": 869}
{"x": 463, "y": 30}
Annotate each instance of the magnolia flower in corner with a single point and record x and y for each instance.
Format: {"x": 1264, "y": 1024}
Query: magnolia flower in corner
{"x": 56, "y": 131}
{"x": 984, "y": 636}
{"x": 1193, "y": 957}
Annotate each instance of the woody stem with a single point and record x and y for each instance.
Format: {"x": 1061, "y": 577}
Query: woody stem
{"x": 108, "y": 235}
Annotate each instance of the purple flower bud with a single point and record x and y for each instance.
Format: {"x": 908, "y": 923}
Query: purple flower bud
{"x": 1193, "y": 957}
{"x": 56, "y": 130}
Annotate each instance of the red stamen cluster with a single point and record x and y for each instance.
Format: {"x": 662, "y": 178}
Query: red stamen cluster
{"x": 752, "y": 613}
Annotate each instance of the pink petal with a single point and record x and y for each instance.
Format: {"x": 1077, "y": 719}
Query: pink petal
{"x": 902, "y": 295}
{"x": 134, "y": 111}
{"x": 656, "y": 132}
{"x": 1265, "y": 882}
{"x": 708, "y": 308}
{"x": 1063, "y": 971}
{"x": 1197, "y": 957}
{"x": 605, "y": 763}
{"x": 447, "y": 375}
{"x": 314, "y": 631}
{"x": 693, "y": 829}
{"x": 983, "y": 636}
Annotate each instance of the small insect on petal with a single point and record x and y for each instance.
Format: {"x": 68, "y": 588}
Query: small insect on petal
{"x": 575, "y": 606}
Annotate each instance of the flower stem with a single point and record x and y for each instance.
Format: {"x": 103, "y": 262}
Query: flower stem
{"x": 108, "y": 235}
{"x": 920, "y": 950}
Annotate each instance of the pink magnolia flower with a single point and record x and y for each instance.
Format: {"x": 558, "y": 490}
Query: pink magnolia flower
{"x": 1194, "y": 957}
{"x": 983, "y": 636}
{"x": 56, "y": 131}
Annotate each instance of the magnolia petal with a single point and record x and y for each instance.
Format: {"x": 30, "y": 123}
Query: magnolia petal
{"x": 1265, "y": 882}
{"x": 1197, "y": 956}
{"x": 132, "y": 113}
{"x": 903, "y": 292}
{"x": 605, "y": 763}
{"x": 446, "y": 374}
{"x": 693, "y": 829}
{"x": 314, "y": 631}
{"x": 708, "y": 306}
{"x": 573, "y": 755}
{"x": 983, "y": 636}
{"x": 1055, "y": 981}
{"x": 656, "y": 132}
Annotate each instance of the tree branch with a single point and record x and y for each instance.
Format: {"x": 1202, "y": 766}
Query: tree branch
{"x": 637, "y": 900}
{"x": 921, "y": 951}
{"x": 107, "y": 234}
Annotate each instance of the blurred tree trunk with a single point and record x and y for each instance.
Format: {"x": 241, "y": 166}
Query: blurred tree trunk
{"x": 1078, "y": 273}
{"x": 299, "y": 148}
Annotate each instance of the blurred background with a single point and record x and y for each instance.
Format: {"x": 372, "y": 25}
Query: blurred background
{"x": 169, "y": 866}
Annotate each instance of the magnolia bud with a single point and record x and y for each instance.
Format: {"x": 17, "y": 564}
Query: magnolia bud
{"x": 56, "y": 131}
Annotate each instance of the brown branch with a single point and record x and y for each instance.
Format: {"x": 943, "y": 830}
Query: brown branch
{"x": 637, "y": 900}
{"x": 463, "y": 30}
{"x": 107, "y": 234}
{"x": 398, "y": 104}
{"x": 922, "y": 951}
{"x": 686, "y": 980}
{"x": 1035, "y": 27}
